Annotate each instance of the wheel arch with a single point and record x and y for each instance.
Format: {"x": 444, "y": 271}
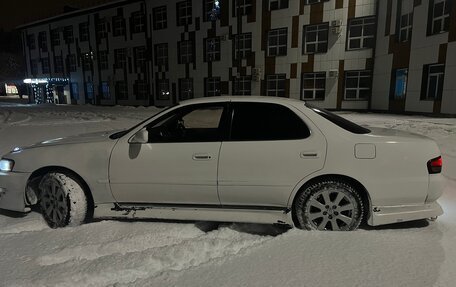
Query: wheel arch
{"x": 36, "y": 176}
{"x": 359, "y": 187}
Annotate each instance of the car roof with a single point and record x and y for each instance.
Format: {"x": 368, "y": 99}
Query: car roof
{"x": 258, "y": 99}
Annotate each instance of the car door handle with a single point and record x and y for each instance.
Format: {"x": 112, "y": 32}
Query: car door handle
{"x": 310, "y": 154}
{"x": 201, "y": 156}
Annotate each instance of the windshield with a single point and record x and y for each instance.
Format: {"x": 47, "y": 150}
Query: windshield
{"x": 118, "y": 135}
{"x": 339, "y": 121}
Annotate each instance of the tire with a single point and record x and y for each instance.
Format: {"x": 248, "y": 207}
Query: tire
{"x": 62, "y": 200}
{"x": 329, "y": 205}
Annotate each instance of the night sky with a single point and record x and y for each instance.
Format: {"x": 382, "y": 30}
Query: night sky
{"x": 18, "y": 12}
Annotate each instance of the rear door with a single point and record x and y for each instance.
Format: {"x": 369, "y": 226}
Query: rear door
{"x": 271, "y": 148}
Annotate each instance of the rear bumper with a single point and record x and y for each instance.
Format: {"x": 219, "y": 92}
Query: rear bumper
{"x": 12, "y": 191}
{"x": 394, "y": 214}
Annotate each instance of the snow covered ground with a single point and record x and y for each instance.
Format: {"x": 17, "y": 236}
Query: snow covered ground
{"x": 154, "y": 253}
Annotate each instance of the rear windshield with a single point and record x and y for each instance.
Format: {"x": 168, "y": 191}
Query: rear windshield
{"x": 339, "y": 121}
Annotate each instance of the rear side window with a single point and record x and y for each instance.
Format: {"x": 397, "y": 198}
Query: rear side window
{"x": 339, "y": 121}
{"x": 266, "y": 122}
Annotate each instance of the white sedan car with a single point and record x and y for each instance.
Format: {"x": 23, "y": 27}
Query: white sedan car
{"x": 233, "y": 159}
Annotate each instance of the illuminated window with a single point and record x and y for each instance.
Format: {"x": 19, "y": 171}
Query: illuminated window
{"x": 400, "y": 88}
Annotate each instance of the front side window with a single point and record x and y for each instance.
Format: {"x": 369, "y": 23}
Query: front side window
{"x": 185, "y": 89}
{"x": 358, "y": 85}
{"x": 184, "y": 13}
{"x": 361, "y": 33}
{"x": 118, "y": 26}
{"x": 278, "y": 4}
{"x": 58, "y": 64}
{"x": 316, "y": 38}
{"x": 68, "y": 35}
{"x": 213, "y": 49}
{"x": 266, "y": 122}
{"x": 313, "y": 86}
{"x": 185, "y": 52}
{"x": 243, "y": 45}
{"x": 242, "y": 86}
{"x": 160, "y": 18}
{"x": 439, "y": 16}
{"x": 197, "y": 123}
{"x": 400, "y": 88}
{"x": 103, "y": 60}
{"x": 404, "y": 20}
{"x": 275, "y": 85}
{"x": 120, "y": 58}
{"x": 433, "y": 76}
{"x": 212, "y": 87}
{"x": 161, "y": 54}
{"x": 84, "y": 32}
{"x": 138, "y": 20}
{"x": 277, "y": 42}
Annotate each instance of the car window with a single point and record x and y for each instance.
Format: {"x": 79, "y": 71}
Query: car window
{"x": 196, "y": 123}
{"x": 266, "y": 122}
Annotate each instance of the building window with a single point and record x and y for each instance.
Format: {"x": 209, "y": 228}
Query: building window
{"x": 184, "y": 13}
{"x": 58, "y": 64}
{"x": 160, "y": 18}
{"x": 141, "y": 89}
{"x": 358, "y": 85}
{"x": 86, "y": 59}
{"x": 275, "y": 85}
{"x": 42, "y": 41}
{"x": 242, "y": 6}
{"x": 185, "y": 89}
{"x": 84, "y": 32}
{"x": 120, "y": 58}
{"x": 361, "y": 33}
{"x": 433, "y": 76}
{"x": 213, "y": 49}
{"x": 45, "y": 68}
{"x": 243, "y": 45}
{"x": 140, "y": 57}
{"x": 106, "y": 95}
{"x": 439, "y": 16}
{"x": 89, "y": 90}
{"x": 278, "y": 4}
{"x": 404, "y": 20}
{"x": 211, "y": 10}
{"x": 242, "y": 86}
{"x": 277, "y": 42}
{"x": 101, "y": 29}
{"x": 34, "y": 66}
{"x": 103, "y": 60}
{"x": 313, "y": 86}
{"x": 185, "y": 52}
{"x": 316, "y": 38}
{"x": 118, "y": 26}
{"x": 55, "y": 37}
{"x": 138, "y": 21}
{"x": 74, "y": 91}
{"x": 31, "y": 41}
{"x": 212, "y": 86}
{"x": 68, "y": 34}
{"x": 121, "y": 90}
{"x": 161, "y": 54}
{"x": 163, "y": 89}
{"x": 315, "y": 1}
{"x": 400, "y": 88}
{"x": 72, "y": 65}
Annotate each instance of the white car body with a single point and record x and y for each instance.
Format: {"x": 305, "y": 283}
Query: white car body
{"x": 239, "y": 181}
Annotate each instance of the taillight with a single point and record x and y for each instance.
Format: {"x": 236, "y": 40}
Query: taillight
{"x": 435, "y": 165}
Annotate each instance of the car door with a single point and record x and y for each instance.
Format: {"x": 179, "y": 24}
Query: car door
{"x": 271, "y": 149}
{"x": 178, "y": 164}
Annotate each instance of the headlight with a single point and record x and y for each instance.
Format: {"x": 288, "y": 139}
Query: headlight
{"x": 6, "y": 165}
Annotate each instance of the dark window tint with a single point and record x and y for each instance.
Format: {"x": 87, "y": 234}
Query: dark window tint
{"x": 264, "y": 121}
{"x": 339, "y": 121}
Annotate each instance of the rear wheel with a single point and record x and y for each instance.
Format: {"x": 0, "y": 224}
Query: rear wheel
{"x": 62, "y": 200}
{"x": 329, "y": 205}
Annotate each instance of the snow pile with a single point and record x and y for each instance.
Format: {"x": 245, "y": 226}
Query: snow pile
{"x": 154, "y": 253}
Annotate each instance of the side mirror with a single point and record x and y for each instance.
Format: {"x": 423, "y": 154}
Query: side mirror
{"x": 141, "y": 137}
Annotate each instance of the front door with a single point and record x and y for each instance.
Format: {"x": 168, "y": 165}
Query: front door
{"x": 178, "y": 165}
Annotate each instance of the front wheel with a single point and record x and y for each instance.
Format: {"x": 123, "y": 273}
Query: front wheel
{"x": 329, "y": 205}
{"x": 62, "y": 200}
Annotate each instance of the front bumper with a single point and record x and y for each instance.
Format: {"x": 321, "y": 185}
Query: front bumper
{"x": 394, "y": 214}
{"x": 12, "y": 191}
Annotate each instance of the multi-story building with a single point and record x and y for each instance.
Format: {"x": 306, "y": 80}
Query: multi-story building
{"x": 340, "y": 54}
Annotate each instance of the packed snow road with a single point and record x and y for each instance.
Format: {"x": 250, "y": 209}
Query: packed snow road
{"x": 156, "y": 253}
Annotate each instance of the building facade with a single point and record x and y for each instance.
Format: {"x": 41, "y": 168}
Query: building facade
{"x": 335, "y": 53}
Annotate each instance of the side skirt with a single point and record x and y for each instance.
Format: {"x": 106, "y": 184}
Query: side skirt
{"x": 196, "y": 212}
